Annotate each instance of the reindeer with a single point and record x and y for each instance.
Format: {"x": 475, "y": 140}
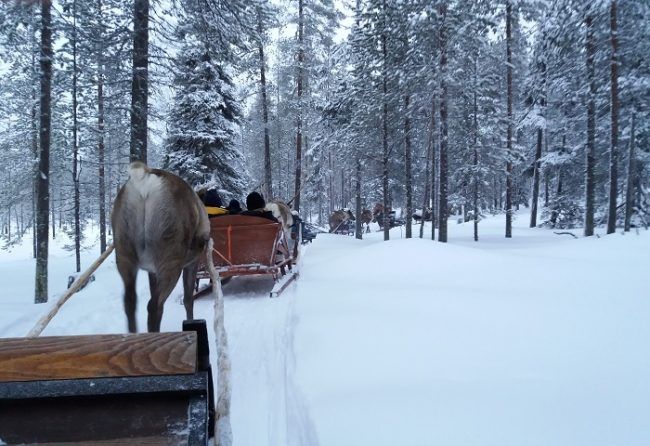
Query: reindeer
{"x": 366, "y": 218}
{"x": 160, "y": 226}
{"x": 418, "y": 215}
{"x": 340, "y": 219}
{"x": 379, "y": 215}
{"x": 282, "y": 212}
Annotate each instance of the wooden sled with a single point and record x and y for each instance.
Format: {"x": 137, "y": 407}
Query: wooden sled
{"x": 245, "y": 245}
{"x": 147, "y": 389}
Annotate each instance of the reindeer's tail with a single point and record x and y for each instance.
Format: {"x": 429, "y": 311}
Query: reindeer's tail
{"x": 143, "y": 180}
{"x": 137, "y": 170}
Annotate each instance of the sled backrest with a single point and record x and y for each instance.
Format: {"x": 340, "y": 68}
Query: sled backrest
{"x": 151, "y": 388}
{"x": 243, "y": 240}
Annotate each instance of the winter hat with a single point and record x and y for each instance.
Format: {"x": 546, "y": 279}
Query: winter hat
{"x": 255, "y": 200}
{"x": 212, "y": 198}
{"x": 234, "y": 207}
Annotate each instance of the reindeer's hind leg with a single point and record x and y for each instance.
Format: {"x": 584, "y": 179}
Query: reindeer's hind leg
{"x": 129, "y": 273}
{"x": 161, "y": 286}
{"x": 189, "y": 278}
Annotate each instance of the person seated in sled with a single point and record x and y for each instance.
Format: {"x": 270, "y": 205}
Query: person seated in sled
{"x": 256, "y": 207}
{"x": 234, "y": 207}
{"x": 213, "y": 204}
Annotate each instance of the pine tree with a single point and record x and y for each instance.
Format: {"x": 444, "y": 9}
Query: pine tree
{"x": 204, "y": 124}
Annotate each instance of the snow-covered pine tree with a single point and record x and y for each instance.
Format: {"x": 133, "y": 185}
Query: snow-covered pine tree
{"x": 204, "y": 124}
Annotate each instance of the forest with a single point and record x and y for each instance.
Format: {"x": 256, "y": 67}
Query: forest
{"x": 458, "y": 108}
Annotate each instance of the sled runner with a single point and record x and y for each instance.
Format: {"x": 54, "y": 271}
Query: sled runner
{"x": 147, "y": 388}
{"x": 247, "y": 245}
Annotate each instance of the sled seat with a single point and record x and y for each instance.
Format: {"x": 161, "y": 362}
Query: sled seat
{"x": 246, "y": 245}
{"x": 145, "y": 389}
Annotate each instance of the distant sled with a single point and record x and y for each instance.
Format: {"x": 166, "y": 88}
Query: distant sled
{"x": 246, "y": 245}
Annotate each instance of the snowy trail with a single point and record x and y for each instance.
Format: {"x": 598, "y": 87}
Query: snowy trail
{"x": 537, "y": 340}
{"x": 267, "y": 408}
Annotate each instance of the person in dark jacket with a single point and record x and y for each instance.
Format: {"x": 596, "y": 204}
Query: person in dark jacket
{"x": 213, "y": 203}
{"x": 234, "y": 207}
{"x": 256, "y": 207}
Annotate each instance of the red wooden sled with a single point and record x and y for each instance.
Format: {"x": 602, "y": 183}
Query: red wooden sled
{"x": 246, "y": 245}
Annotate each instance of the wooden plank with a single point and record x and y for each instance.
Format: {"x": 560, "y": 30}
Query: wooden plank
{"x": 140, "y": 441}
{"x": 97, "y": 419}
{"x": 195, "y": 383}
{"x": 65, "y": 357}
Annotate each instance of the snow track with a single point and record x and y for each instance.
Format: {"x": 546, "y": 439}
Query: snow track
{"x": 268, "y": 407}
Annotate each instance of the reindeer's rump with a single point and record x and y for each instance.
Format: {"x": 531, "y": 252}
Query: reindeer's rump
{"x": 247, "y": 245}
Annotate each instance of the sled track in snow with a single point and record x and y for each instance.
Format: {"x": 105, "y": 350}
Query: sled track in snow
{"x": 290, "y": 422}
{"x": 266, "y": 396}
{"x": 299, "y": 425}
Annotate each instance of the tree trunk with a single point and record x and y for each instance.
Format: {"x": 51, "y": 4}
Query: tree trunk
{"x": 509, "y": 185}
{"x": 442, "y": 206}
{"x": 43, "y": 174}
{"x": 278, "y": 137}
{"x": 427, "y": 186}
{"x": 53, "y": 218}
{"x": 613, "y": 152}
{"x": 384, "y": 50}
{"x": 547, "y": 177}
{"x": 408, "y": 162}
{"x": 559, "y": 171}
{"x": 75, "y": 148}
{"x": 35, "y": 154}
{"x": 558, "y": 193}
{"x": 139, "y": 85}
{"x": 432, "y": 168}
{"x": 631, "y": 172}
{"x": 100, "y": 135}
{"x": 301, "y": 59}
{"x": 591, "y": 129}
{"x": 476, "y": 172}
{"x": 535, "y": 199}
{"x": 22, "y": 219}
{"x": 358, "y": 227}
{"x": 9, "y": 214}
{"x": 331, "y": 183}
{"x": 268, "y": 180}
{"x": 343, "y": 202}
{"x": 538, "y": 155}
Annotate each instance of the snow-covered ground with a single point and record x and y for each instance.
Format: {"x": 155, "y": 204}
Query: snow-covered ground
{"x": 541, "y": 339}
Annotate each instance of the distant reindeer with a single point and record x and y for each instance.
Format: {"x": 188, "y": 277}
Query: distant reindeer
{"x": 340, "y": 220}
{"x": 418, "y": 215}
{"x": 160, "y": 226}
{"x": 366, "y": 218}
{"x": 282, "y": 212}
{"x": 378, "y": 215}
